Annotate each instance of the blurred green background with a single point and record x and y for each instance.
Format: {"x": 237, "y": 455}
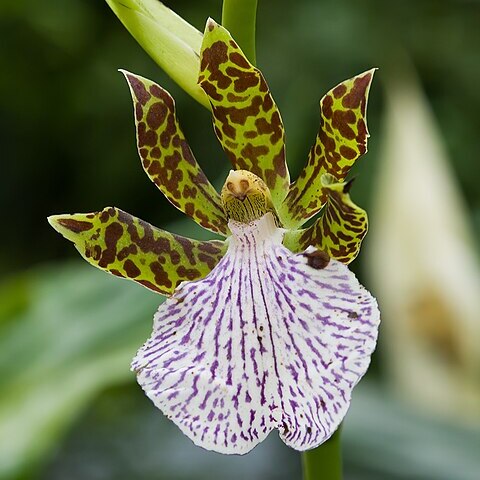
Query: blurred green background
{"x": 69, "y": 407}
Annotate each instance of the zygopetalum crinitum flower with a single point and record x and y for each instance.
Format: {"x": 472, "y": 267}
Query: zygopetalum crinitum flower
{"x": 267, "y": 329}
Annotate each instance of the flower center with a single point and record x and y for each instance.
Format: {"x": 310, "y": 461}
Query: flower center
{"x": 246, "y": 197}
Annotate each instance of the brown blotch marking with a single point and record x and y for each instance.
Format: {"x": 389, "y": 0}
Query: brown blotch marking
{"x": 239, "y": 60}
{"x": 148, "y": 243}
{"x": 188, "y": 273}
{"x": 187, "y": 153}
{"x": 156, "y": 115}
{"x": 279, "y": 169}
{"x": 343, "y": 236}
{"x": 189, "y": 192}
{"x": 347, "y": 152}
{"x": 169, "y": 175}
{"x": 273, "y": 128}
{"x": 152, "y": 286}
{"x": 231, "y": 97}
{"x": 156, "y": 153}
{"x": 327, "y": 104}
{"x": 142, "y": 94}
{"x": 212, "y": 247}
{"x": 96, "y": 253}
{"x": 352, "y": 315}
{"x": 211, "y": 91}
{"x": 240, "y": 115}
{"x": 75, "y": 226}
{"x": 267, "y": 104}
{"x": 362, "y": 135}
{"x": 353, "y": 99}
{"x": 317, "y": 259}
{"x": 131, "y": 269}
{"x": 202, "y": 218}
{"x": 163, "y": 95}
{"x": 218, "y": 133}
{"x": 341, "y": 120}
{"x": 146, "y": 137}
{"x": 212, "y": 58}
{"x": 252, "y": 152}
{"x": 144, "y": 154}
{"x": 208, "y": 260}
{"x": 187, "y": 247}
{"x": 138, "y": 112}
{"x": 263, "y": 127}
{"x": 339, "y": 91}
{"x": 113, "y": 233}
{"x": 126, "y": 251}
{"x": 169, "y": 131}
{"x": 243, "y": 79}
{"x": 190, "y": 209}
{"x": 328, "y": 144}
{"x": 161, "y": 276}
{"x": 336, "y": 197}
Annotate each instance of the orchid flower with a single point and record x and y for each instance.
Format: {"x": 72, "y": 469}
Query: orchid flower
{"x": 267, "y": 329}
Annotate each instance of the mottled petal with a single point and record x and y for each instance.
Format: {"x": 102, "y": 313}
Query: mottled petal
{"x": 269, "y": 339}
{"x": 340, "y": 229}
{"x": 167, "y": 158}
{"x": 128, "y": 247}
{"x": 342, "y": 138}
{"x": 246, "y": 119}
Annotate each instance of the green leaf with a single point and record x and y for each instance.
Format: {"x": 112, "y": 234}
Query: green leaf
{"x": 128, "y": 247}
{"x": 340, "y": 229}
{"x": 246, "y": 119}
{"x": 172, "y": 42}
{"x": 167, "y": 158}
{"x": 342, "y": 138}
{"x": 74, "y": 336}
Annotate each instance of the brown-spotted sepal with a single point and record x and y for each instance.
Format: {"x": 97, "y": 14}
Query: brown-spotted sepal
{"x": 167, "y": 158}
{"x": 342, "y": 138}
{"x": 246, "y": 119}
{"x": 340, "y": 229}
{"x": 128, "y": 247}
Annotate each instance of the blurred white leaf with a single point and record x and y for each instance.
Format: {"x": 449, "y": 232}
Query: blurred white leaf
{"x": 422, "y": 262}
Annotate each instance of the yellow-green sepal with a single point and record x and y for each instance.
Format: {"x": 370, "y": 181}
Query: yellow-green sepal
{"x": 167, "y": 158}
{"x": 340, "y": 229}
{"x": 341, "y": 139}
{"x": 172, "y": 42}
{"x": 128, "y": 247}
{"x": 245, "y": 117}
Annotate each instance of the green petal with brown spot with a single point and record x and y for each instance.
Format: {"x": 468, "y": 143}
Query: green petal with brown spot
{"x": 342, "y": 138}
{"x": 128, "y": 247}
{"x": 339, "y": 230}
{"x": 245, "y": 117}
{"x": 167, "y": 158}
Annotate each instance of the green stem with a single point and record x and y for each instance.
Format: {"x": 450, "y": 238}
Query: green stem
{"x": 325, "y": 461}
{"x": 239, "y": 18}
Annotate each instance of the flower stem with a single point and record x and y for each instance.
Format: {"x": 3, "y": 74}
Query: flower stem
{"x": 239, "y": 18}
{"x": 325, "y": 461}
